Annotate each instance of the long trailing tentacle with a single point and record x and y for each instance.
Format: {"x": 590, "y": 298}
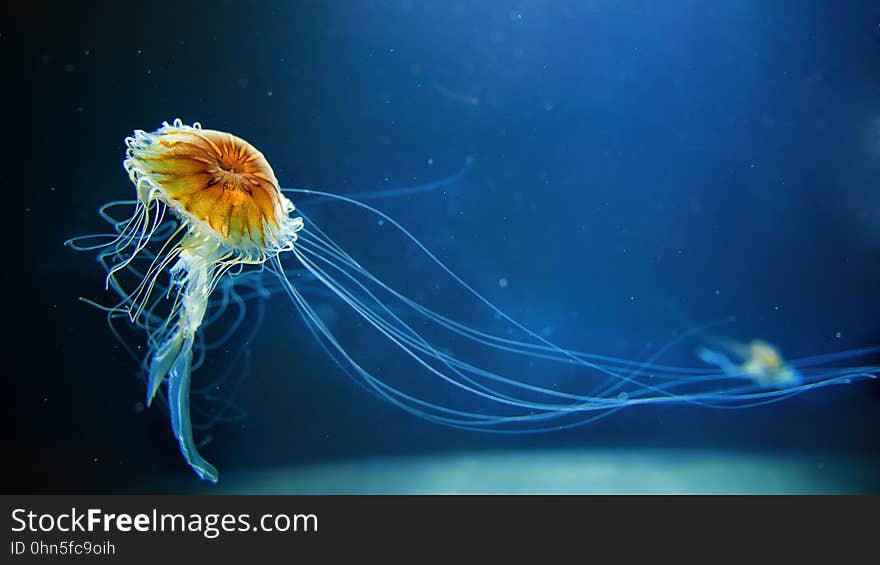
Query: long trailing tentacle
{"x": 347, "y": 279}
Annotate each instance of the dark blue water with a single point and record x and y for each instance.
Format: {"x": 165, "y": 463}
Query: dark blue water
{"x": 638, "y": 169}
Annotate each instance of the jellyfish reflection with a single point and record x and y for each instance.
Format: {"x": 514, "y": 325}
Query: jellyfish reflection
{"x": 231, "y": 238}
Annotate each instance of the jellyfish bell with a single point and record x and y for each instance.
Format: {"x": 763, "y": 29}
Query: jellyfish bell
{"x": 765, "y": 364}
{"x": 210, "y": 217}
{"x": 758, "y": 360}
{"x": 220, "y": 185}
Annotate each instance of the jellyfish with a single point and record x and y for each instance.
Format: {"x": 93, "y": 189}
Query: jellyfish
{"x": 211, "y": 235}
{"x": 759, "y": 361}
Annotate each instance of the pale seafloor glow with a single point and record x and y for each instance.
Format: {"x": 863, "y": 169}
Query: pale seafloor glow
{"x": 175, "y": 275}
{"x": 586, "y": 471}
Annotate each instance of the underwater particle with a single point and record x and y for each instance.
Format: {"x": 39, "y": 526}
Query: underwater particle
{"x": 243, "y": 82}
{"x": 68, "y": 68}
{"x": 502, "y": 282}
{"x": 838, "y": 334}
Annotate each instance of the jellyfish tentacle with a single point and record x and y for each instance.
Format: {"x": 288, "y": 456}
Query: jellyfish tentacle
{"x": 540, "y": 341}
{"x": 316, "y": 247}
{"x": 462, "y": 419}
{"x": 321, "y": 247}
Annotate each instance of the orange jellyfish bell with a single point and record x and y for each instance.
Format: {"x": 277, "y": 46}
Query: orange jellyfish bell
{"x": 217, "y": 183}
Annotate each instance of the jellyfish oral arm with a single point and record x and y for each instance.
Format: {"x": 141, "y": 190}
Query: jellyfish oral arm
{"x": 194, "y": 274}
{"x": 178, "y": 402}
